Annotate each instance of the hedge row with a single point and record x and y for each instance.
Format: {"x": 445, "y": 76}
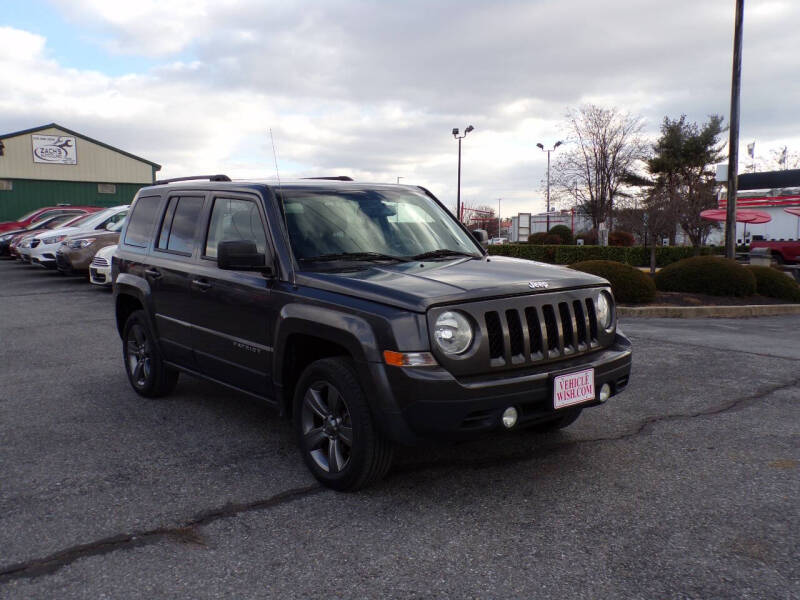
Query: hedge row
{"x": 711, "y": 275}
{"x": 775, "y": 284}
{"x": 629, "y": 285}
{"x": 637, "y": 256}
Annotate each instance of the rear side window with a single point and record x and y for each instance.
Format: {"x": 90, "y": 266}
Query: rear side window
{"x": 141, "y": 221}
{"x": 178, "y": 225}
{"x": 234, "y": 219}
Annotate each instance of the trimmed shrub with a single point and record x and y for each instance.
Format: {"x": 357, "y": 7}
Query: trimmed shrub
{"x": 707, "y": 275}
{"x": 629, "y": 284}
{"x": 637, "y": 256}
{"x": 621, "y": 238}
{"x": 542, "y": 238}
{"x": 775, "y": 284}
{"x": 563, "y": 232}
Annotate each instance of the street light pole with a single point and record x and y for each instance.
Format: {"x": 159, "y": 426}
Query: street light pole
{"x": 458, "y": 193}
{"x": 399, "y": 178}
{"x": 542, "y": 148}
{"x": 733, "y": 144}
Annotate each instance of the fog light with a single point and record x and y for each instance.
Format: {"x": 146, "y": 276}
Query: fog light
{"x": 605, "y": 392}
{"x": 510, "y": 417}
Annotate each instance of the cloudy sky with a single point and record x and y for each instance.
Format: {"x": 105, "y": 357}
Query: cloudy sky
{"x": 372, "y": 89}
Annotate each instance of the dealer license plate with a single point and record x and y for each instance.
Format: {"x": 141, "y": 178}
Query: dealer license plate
{"x": 573, "y": 388}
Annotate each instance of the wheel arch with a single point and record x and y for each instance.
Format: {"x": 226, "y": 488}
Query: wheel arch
{"x": 130, "y": 294}
{"x": 308, "y": 333}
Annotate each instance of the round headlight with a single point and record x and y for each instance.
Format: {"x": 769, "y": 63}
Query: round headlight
{"x": 452, "y": 332}
{"x": 604, "y": 313}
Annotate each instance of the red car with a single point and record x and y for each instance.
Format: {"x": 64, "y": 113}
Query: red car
{"x": 47, "y": 211}
{"x": 46, "y": 223}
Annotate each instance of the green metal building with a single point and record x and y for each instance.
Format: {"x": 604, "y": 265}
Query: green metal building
{"x": 51, "y": 164}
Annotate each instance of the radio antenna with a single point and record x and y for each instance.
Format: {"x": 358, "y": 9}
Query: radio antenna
{"x": 275, "y": 157}
{"x": 280, "y": 203}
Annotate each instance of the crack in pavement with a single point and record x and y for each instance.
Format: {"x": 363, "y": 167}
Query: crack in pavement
{"x": 183, "y": 533}
{"x": 640, "y": 429}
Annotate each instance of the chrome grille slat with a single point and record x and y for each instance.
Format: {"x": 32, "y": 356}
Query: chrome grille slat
{"x": 567, "y": 322}
{"x": 533, "y": 332}
{"x": 494, "y": 332}
{"x": 592, "y": 320}
{"x": 99, "y": 261}
{"x": 582, "y": 322}
{"x": 516, "y": 337}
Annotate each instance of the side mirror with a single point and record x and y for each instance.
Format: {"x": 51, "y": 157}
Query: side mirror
{"x": 241, "y": 255}
{"x": 481, "y": 236}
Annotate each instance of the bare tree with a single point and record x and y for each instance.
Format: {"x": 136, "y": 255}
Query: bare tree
{"x": 480, "y": 217}
{"x": 651, "y": 216}
{"x": 607, "y": 146}
{"x": 782, "y": 158}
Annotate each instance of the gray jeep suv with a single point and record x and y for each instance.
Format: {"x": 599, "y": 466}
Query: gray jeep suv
{"x": 365, "y": 313}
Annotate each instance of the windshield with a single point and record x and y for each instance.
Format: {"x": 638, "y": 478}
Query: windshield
{"x": 370, "y": 225}
{"x": 80, "y": 220}
{"x": 29, "y": 215}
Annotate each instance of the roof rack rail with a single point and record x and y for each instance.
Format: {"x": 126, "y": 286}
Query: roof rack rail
{"x": 333, "y": 178}
{"x": 193, "y": 178}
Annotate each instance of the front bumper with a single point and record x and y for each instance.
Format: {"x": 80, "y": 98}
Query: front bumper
{"x": 100, "y": 275}
{"x": 44, "y": 256}
{"x": 431, "y": 403}
{"x": 69, "y": 260}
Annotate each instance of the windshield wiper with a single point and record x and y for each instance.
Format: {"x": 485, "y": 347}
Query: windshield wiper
{"x": 442, "y": 253}
{"x": 367, "y": 256}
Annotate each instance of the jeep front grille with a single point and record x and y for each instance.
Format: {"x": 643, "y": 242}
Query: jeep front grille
{"x": 527, "y": 330}
{"x": 562, "y": 328}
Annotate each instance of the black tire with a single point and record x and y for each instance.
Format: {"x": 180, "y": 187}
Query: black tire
{"x": 777, "y": 259}
{"x": 148, "y": 374}
{"x": 335, "y": 430}
{"x": 563, "y": 420}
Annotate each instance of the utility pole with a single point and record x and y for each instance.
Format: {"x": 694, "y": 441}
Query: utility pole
{"x": 733, "y": 144}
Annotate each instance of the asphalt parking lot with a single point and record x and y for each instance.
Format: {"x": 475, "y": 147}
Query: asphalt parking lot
{"x": 685, "y": 486}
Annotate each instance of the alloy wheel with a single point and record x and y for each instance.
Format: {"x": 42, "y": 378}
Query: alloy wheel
{"x": 139, "y": 355}
{"x": 326, "y": 427}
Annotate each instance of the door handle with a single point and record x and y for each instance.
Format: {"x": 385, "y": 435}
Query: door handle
{"x": 154, "y": 273}
{"x": 201, "y": 284}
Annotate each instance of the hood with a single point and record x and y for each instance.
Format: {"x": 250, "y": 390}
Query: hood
{"x": 9, "y": 225}
{"x": 60, "y": 231}
{"x": 99, "y": 234}
{"x": 16, "y": 231}
{"x": 419, "y": 285}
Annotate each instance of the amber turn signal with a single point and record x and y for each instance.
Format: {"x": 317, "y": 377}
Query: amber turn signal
{"x": 409, "y": 359}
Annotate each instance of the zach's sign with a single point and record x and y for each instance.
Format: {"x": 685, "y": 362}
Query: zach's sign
{"x": 54, "y": 149}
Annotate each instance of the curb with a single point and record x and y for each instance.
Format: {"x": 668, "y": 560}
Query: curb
{"x": 691, "y": 312}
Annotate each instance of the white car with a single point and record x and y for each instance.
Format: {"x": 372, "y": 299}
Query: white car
{"x": 43, "y": 247}
{"x": 100, "y": 267}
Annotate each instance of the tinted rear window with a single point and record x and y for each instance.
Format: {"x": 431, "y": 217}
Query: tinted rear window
{"x": 180, "y": 220}
{"x": 141, "y": 221}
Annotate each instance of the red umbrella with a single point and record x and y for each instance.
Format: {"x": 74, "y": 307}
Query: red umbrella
{"x": 756, "y": 217}
{"x": 793, "y": 211}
